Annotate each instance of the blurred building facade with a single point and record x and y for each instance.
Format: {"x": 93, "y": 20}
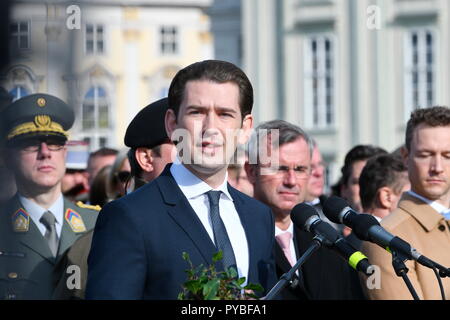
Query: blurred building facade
{"x": 348, "y": 71}
{"x": 107, "y": 59}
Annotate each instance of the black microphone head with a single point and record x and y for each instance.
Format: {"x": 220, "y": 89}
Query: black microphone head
{"x": 362, "y": 223}
{"x": 301, "y": 213}
{"x": 333, "y": 207}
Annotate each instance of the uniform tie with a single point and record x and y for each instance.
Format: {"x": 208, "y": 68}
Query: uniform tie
{"x": 220, "y": 232}
{"x": 49, "y": 220}
{"x": 284, "y": 240}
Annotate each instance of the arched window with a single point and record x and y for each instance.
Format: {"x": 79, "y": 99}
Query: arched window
{"x": 18, "y": 92}
{"x": 95, "y": 111}
{"x": 95, "y": 117}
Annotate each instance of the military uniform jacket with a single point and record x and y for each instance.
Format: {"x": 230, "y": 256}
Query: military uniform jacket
{"x": 426, "y": 230}
{"x": 26, "y": 262}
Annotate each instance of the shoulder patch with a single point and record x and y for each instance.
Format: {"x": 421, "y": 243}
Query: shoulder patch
{"x": 75, "y": 221}
{"x": 88, "y": 206}
{"x": 21, "y": 220}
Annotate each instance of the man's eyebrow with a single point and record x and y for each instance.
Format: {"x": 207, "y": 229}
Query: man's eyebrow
{"x": 221, "y": 109}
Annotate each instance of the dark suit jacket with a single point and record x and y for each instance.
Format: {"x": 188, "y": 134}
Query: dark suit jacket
{"x": 26, "y": 263}
{"x": 139, "y": 240}
{"x": 324, "y": 276}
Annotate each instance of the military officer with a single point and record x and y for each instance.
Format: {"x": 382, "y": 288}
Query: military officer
{"x": 37, "y": 225}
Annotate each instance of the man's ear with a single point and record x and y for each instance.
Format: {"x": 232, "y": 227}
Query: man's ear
{"x": 384, "y": 197}
{"x": 170, "y": 122}
{"x": 251, "y": 171}
{"x": 247, "y": 126}
{"x": 144, "y": 158}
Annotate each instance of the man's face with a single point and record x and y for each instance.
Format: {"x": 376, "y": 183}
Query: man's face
{"x": 95, "y": 164}
{"x": 167, "y": 151}
{"x": 38, "y": 165}
{"x": 350, "y": 190}
{"x": 287, "y": 187}
{"x": 317, "y": 179}
{"x": 74, "y": 181}
{"x": 428, "y": 163}
{"x": 210, "y": 115}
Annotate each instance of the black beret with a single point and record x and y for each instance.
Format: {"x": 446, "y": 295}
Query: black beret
{"x": 36, "y": 115}
{"x": 147, "y": 128}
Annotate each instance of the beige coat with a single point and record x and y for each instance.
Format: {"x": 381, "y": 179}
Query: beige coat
{"x": 426, "y": 230}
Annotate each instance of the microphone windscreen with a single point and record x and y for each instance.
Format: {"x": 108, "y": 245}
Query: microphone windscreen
{"x": 333, "y": 207}
{"x": 362, "y": 224}
{"x": 301, "y": 213}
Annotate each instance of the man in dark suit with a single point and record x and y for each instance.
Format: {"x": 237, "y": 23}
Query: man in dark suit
{"x": 281, "y": 184}
{"x": 139, "y": 239}
{"x": 38, "y": 224}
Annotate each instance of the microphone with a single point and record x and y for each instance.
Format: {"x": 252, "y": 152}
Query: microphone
{"x": 367, "y": 228}
{"x": 306, "y": 217}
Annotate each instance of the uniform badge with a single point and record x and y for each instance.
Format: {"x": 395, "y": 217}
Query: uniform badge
{"x": 21, "y": 221}
{"x": 75, "y": 221}
{"x": 41, "y": 102}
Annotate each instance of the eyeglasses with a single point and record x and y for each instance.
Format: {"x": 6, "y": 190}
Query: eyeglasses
{"x": 123, "y": 176}
{"x": 301, "y": 172}
{"x": 35, "y": 145}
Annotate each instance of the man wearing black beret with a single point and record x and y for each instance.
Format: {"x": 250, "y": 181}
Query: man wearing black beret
{"x": 151, "y": 148}
{"x": 150, "y": 151}
{"x": 38, "y": 224}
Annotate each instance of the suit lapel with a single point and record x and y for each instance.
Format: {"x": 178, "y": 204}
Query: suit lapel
{"x": 32, "y": 238}
{"x": 182, "y": 213}
{"x": 246, "y": 220}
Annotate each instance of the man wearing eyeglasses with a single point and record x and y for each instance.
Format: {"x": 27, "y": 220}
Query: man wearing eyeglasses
{"x": 281, "y": 182}
{"x": 38, "y": 224}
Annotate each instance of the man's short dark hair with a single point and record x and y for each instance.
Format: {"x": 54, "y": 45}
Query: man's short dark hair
{"x": 216, "y": 71}
{"x": 434, "y": 117}
{"x": 385, "y": 170}
{"x": 358, "y": 153}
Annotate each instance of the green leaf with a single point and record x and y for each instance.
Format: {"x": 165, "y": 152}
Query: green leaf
{"x": 193, "y": 286}
{"x": 186, "y": 256}
{"x": 210, "y": 289}
{"x": 217, "y": 256}
{"x": 254, "y": 287}
{"x": 231, "y": 272}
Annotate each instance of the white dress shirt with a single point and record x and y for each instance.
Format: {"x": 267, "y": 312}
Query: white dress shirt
{"x": 194, "y": 190}
{"x": 36, "y": 212}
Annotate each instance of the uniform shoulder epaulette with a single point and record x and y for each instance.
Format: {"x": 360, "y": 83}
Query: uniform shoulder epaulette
{"x": 88, "y": 206}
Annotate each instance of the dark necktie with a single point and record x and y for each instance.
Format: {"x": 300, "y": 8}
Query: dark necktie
{"x": 220, "y": 232}
{"x": 49, "y": 220}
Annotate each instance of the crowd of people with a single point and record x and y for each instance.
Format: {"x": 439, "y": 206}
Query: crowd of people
{"x": 185, "y": 184}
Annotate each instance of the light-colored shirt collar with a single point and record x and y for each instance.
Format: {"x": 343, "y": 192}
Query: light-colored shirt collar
{"x": 36, "y": 211}
{"x": 313, "y": 202}
{"x": 435, "y": 205}
{"x": 191, "y": 185}
{"x": 290, "y": 229}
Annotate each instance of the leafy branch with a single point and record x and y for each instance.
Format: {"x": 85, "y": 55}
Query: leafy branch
{"x": 206, "y": 283}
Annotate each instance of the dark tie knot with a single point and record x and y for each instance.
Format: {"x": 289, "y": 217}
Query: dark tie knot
{"x": 214, "y": 197}
{"x": 48, "y": 220}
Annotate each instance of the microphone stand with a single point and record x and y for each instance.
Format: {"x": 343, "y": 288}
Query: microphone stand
{"x": 398, "y": 262}
{"x": 286, "y": 278}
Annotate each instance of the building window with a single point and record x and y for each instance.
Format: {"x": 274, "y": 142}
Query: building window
{"x": 19, "y": 33}
{"x": 169, "y": 40}
{"x": 419, "y": 70}
{"x": 18, "y": 92}
{"x": 94, "y": 39}
{"x": 319, "y": 82}
{"x": 95, "y": 116}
